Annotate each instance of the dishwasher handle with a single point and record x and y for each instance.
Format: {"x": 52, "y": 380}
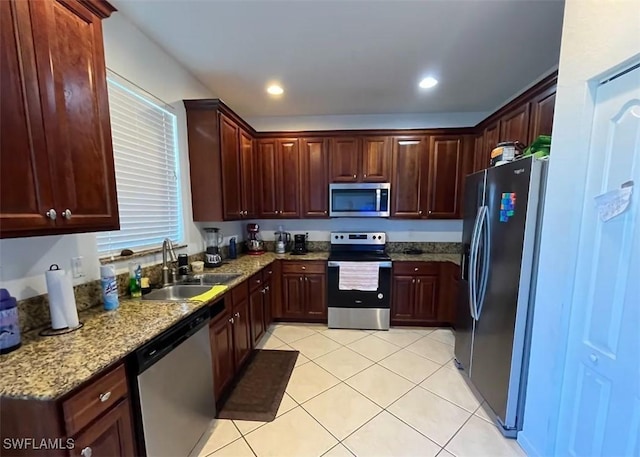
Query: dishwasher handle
{"x": 164, "y": 343}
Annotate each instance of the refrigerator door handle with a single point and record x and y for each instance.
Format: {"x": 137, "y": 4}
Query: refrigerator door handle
{"x": 484, "y": 274}
{"x": 473, "y": 263}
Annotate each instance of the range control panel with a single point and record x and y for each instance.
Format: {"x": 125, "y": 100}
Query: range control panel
{"x": 358, "y": 238}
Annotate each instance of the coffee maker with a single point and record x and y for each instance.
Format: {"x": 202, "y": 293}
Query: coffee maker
{"x": 299, "y": 245}
{"x": 213, "y": 240}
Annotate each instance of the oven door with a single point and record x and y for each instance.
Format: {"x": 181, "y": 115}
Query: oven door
{"x": 359, "y": 200}
{"x": 380, "y": 298}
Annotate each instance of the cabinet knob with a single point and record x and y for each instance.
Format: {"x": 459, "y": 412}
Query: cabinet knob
{"x": 430, "y": 211}
{"x": 300, "y": 278}
{"x": 418, "y": 280}
{"x": 245, "y": 212}
{"x": 420, "y": 212}
{"x": 304, "y": 268}
{"x": 413, "y": 281}
{"x": 355, "y": 176}
{"x": 264, "y": 291}
{"x": 231, "y": 320}
{"x": 270, "y": 272}
{"x": 105, "y": 396}
{"x": 51, "y": 214}
{"x": 66, "y": 214}
{"x": 364, "y": 175}
{"x": 415, "y": 269}
{"x": 237, "y": 315}
{"x": 306, "y": 278}
{"x": 86, "y": 452}
{"x": 258, "y": 281}
{"x": 325, "y": 212}
{"x": 266, "y": 288}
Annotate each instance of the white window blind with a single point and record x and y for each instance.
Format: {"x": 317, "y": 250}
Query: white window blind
{"x": 147, "y": 174}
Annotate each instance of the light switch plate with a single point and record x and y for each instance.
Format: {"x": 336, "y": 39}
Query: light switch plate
{"x": 77, "y": 270}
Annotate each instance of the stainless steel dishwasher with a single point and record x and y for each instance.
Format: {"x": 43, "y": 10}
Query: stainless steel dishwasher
{"x": 175, "y": 387}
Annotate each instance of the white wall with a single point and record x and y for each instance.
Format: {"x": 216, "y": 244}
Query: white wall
{"x": 597, "y": 37}
{"x": 397, "y": 230}
{"x": 366, "y": 121}
{"x": 135, "y": 57}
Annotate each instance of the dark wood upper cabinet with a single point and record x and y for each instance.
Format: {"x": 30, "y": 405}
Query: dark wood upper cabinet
{"x": 409, "y": 176}
{"x": 267, "y": 160}
{"x": 376, "y": 159}
{"x": 490, "y": 141}
{"x": 288, "y": 178}
{"x": 542, "y": 108}
{"x": 514, "y": 126}
{"x": 344, "y": 159}
{"x": 445, "y": 177}
{"x": 54, "y": 86}
{"x": 247, "y": 175}
{"x": 479, "y": 154}
{"x": 231, "y": 163}
{"x": 314, "y": 178}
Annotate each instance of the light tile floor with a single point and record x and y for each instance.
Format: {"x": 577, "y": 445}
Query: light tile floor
{"x": 366, "y": 394}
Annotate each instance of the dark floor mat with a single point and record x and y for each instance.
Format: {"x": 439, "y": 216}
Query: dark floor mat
{"x": 256, "y": 396}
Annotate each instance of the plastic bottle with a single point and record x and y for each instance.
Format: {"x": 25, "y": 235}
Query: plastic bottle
{"x": 109, "y": 287}
{"x": 233, "y": 250}
{"x": 135, "y": 274}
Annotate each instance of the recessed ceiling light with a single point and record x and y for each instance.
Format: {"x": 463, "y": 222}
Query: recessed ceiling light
{"x": 428, "y": 82}
{"x": 274, "y": 89}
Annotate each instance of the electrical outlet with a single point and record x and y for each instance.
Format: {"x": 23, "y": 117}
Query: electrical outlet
{"x": 77, "y": 269}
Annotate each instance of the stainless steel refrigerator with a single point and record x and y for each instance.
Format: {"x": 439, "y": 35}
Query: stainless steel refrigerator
{"x": 502, "y": 211}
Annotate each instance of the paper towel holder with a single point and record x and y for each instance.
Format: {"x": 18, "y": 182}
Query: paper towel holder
{"x": 50, "y": 331}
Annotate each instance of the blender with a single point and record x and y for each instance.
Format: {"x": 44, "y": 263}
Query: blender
{"x": 282, "y": 241}
{"x": 213, "y": 242}
{"x": 255, "y": 245}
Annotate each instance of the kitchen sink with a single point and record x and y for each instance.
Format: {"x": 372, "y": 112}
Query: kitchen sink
{"x": 178, "y": 292}
{"x": 211, "y": 279}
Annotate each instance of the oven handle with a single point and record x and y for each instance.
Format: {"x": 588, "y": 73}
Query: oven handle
{"x": 335, "y": 264}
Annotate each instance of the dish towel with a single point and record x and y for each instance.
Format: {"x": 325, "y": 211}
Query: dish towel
{"x": 210, "y": 294}
{"x": 358, "y": 276}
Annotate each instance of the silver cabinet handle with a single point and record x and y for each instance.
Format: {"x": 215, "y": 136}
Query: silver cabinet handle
{"x": 270, "y": 272}
{"x": 304, "y": 268}
{"x": 413, "y": 281}
{"x": 258, "y": 281}
{"x": 266, "y": 288}
{"x": 105, "y": 396}
{"x": 420, "y": 212}
{"x": 263, "y": 291}
{"x": 364, "y": 176}
{"x": 355, "y": 176}
{"x": 51, "y": 214}
{"x": 418, "y": 280}
{"x": 430, "y": 211}
{"x": 86, "y": 452}
{"x": 306, "y": 278}
{"x": 325, "y": 212}
{"x": 237, "y": 315}
{"x": 300, "y": 278}
{"x": 415, "y": 269}
{"x": 231, "y": 320}
{"x": 66, "y": 214}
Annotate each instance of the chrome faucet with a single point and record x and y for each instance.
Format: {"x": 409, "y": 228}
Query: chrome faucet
{"x": 168, "y": 274}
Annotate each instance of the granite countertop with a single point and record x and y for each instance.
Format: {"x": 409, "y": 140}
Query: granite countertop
{"x": 427, "y": 257}
{"x": 46, "y": 368}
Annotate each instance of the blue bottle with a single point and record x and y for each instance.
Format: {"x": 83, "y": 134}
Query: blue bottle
{"x": 233, "y": 249}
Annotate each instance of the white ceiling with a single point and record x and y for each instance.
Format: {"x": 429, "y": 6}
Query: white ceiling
{"x": 357, "y": 57}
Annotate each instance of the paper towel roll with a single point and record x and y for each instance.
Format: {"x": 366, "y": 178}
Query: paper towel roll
{"x": 62, "y": 301}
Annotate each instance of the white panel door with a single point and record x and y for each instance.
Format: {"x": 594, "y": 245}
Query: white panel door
{"x": 600, "y": 405}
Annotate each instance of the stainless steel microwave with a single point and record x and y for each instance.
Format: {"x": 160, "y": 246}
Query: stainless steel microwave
{"x": 360, "y": 200}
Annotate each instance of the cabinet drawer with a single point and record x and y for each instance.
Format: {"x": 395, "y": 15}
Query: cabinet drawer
{"x": 240, "y": 293}
{"x": 90, "y": 402}
{"x": 268, "y": 272}
{"x": 304, "y": 267}
{"x": 255, "y": 281}
{"x": 416, "y": 268}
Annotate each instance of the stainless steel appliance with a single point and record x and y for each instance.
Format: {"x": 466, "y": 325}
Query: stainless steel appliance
{"x": 360, "y": 200}
{"x": 282, "y": 241}
{"x": 299, "y": 245}
{"x": 502, "y": 211}
{"x": 255, "y": 245}
{"x": 174, "y": 386}
{"x": 213, "y": 241}
{"x": 359, "y": 306}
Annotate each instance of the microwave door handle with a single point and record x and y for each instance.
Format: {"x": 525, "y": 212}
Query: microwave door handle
{"x": 378, "y": 192}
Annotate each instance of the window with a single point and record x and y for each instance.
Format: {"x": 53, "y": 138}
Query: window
{"x": 147, "y": 173}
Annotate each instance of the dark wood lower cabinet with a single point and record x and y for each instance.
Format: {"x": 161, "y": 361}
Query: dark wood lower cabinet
{"x": 241, "y": 332}
{"x": 108, "y": 436}
{"x": 304, "y": 291}
{"x": 222, "y": 353}
{"x": 316, "y": 295}
{"x": 257, "y": 312}
{"x": 292, "y": 295}
{"x": 422, "y": 293}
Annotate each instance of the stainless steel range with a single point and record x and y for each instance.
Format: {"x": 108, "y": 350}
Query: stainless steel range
{"x": 359, "y": 281}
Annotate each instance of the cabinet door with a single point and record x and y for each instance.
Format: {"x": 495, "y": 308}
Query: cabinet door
{"x": 256, "y": 309}
{"x": 111, "y": 434}
{"x": 267, "y": 160}
{"x": 316, "y": 295}
{"x": 25, "y": 183}
{"x": 293, "y": 295}
{"x": 247, "y": 175}
{"x": 344, "y": 158}
{"x": 231, "y": 178}
{"x": 542, "y": 108}
{"x": 73, "y": 87}
{"x": 241, "y": 332}
{"x": 426, "y": 298}
{"x": 222, "y": 353}
{"x": 314, "y": 178}
{"x": 274, "y": 271}
{"x": 289, "y": 178}
{"x": 490, "y": 141}
{"x": 479, "y": 154}
{"x": 376, "y": 159}
{"x": 408, "y": 176}
{"x": 267, "y": 304}
{"x": 445, "y": 177}
{"x": 402, "y": 297}
{"x": 514, "y": 126}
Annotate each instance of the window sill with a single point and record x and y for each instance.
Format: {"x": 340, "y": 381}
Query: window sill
{"x": 136, "y": 255}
